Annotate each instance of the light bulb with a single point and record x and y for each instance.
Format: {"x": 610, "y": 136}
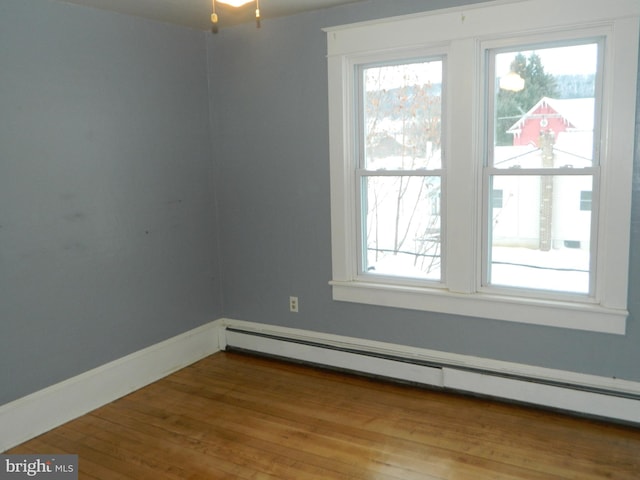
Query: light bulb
{"x": 512, "y": 82}
{"x": 235, "y": 3}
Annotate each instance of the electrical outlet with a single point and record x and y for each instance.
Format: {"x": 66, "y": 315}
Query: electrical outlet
{"x": 293, "y": 304}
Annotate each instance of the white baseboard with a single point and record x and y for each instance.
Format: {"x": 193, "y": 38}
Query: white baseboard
{"x": 584, "y": 394}
{"x": 43, "y": 410}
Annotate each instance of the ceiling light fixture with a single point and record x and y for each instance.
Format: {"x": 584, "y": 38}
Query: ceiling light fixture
{"x": 236, "y": 4}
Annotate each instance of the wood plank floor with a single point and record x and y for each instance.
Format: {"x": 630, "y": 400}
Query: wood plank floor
{"x": 238, "y": 416}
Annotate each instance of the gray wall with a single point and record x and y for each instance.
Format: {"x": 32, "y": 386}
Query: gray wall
{"x": 110, "y": 166}
{"x": 108, "y": 234}
{"x": 269, "y": 98}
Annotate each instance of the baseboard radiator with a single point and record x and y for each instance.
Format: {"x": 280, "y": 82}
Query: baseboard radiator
{"x": 575, "y": 397}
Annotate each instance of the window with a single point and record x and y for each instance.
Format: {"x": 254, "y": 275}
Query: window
{"x": 541, "y": 149}
{"x": 585, "y": 200}
{"x": 400, "y": 168}
{"x": 497, "y": 199}
{"x": 470, "y": 170}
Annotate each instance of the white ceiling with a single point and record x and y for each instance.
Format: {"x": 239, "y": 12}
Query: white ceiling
{"x": 197, "y": 13}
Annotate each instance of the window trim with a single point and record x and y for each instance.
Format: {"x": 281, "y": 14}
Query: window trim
{"x": 464, "y": 32}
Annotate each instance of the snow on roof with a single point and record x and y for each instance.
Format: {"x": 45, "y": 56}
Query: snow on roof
{"x": 578, "y": 112}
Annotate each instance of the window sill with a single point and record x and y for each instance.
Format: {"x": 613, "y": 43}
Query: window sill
{"x": 552, "y": 313}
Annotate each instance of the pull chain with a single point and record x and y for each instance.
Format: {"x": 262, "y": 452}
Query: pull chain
{"x": 214, "y": 15}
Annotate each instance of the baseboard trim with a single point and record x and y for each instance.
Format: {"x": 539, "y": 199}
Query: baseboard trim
{"x": 43, "y": 410}
{"x": 583, "y": 394}
{"x": 34, "y": 414}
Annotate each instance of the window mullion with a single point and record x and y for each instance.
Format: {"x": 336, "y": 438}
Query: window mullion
{"x": 462, "y": 202}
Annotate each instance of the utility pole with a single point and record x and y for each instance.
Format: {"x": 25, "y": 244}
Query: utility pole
{"x": 546, "y": 141}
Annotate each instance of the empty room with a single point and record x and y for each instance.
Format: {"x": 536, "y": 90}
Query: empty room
{"x": 320, "y": 239}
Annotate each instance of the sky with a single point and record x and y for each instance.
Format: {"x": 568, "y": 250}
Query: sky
{"x": 573, "y": 60}
{"x": 568, "y": 60}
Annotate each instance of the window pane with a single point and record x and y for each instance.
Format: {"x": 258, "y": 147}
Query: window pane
{"x": 585, "y": 200}
{"x": 540, "y": 235}
{"x": 402, "y": 109}
{"x": 544, "y": 107}
{"x": 402, "y": 226}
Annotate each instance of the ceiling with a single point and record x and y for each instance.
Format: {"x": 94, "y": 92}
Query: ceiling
{"x": 197, "y": 13}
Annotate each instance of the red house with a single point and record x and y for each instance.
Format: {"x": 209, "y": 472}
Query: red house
{"x": 557, "y": 116}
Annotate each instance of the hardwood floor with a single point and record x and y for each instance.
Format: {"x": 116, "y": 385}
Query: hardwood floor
{"x": 238, "y": 416}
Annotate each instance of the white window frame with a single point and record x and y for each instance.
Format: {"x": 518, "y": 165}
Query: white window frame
{"x": 406, "y": 56}
{"x": 464, "y": 34}
{"x": 548, "y": 39}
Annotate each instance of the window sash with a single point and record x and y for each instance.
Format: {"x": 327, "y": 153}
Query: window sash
{"x": 492, "y": 171}
{"x": 410, "y": 58}
{"x": 362, "y": 172}
{"x": 487, "y": 285}
{"x": 534, "y": 43}
{"x": 362, "y": 237}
